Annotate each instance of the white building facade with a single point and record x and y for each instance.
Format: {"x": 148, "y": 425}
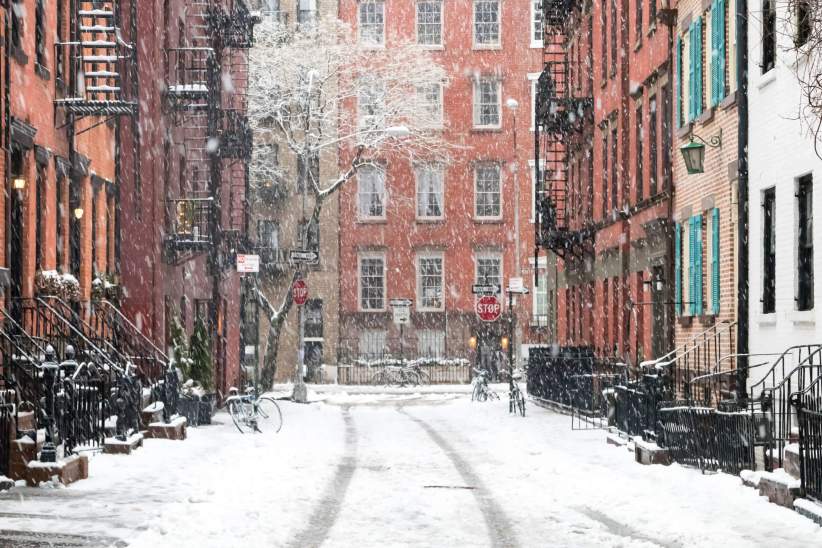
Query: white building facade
{"x": 785, "y": 294}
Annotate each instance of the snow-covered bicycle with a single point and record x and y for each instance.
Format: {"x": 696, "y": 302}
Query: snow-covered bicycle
{"x": 248, "y": 411}
{"x": 482, "y": 391}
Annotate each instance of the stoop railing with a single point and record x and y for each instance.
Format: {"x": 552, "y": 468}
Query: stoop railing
{"x": 808, "y": 404}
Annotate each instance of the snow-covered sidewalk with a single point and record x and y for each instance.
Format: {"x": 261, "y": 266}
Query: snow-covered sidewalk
{"x": 393, "y": 469}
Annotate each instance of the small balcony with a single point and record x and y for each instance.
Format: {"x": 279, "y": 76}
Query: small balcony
{"x": 236, "y": 137}
{"x": 189, "y": 225}
{"x": 191, "y": 78}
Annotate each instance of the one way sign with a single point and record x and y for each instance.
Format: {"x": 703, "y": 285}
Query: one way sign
{"x": 304, "y": 256}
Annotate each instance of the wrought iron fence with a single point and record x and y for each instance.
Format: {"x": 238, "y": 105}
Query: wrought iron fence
{"x": 635, "y": 410}
{"x": 80, "y": 412}
{"x": 7, "y": 433}
{"x": 435, "y": 373}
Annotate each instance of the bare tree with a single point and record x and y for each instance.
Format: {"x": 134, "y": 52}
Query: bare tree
{"x": 315, "y": 90}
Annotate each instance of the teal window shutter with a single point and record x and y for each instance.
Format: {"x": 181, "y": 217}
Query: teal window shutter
{"x": 691, "y": 78}
{"x": 723, "y": 50}
{"x": 715, "y": 261}
{"x": 678, "y": 83}
{"x": 678, "y": 268}
{"x": 698, "y": 263}
{"x": 691, "y": 267}
{"x": 699, "y": 69}
{"x": 714, "y": 53}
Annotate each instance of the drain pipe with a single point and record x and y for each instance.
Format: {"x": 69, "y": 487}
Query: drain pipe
{"x": 743, "y": 294}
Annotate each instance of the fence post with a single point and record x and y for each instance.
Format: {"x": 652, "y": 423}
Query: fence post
{"x": 797, "y": 403}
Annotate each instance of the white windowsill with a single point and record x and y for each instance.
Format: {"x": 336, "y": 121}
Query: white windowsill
{"x": 766, "y": 79}
{"x": 807, "y": 317}
{"x": 766, "y": 319}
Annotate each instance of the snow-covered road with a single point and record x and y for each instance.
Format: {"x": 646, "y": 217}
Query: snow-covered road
{"x": 399, "y": 470}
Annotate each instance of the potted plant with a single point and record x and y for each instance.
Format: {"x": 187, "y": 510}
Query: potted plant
{"x": 202, "y": 369}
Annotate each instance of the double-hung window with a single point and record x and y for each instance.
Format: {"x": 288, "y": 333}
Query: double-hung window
{"x": 488, "y": 185}
{"x": 371, "y": 192}
{"x": 430, "y": 281}
{"x": 768, "y": 35}
{"x": 487, "y": 103}
{"x": 540, "y": 304}
{"x": 537, "y": 28}
{"x": 804, "y": 263}
{"x": 370, "y": 102}
{"x": 306, "y": 11}
{"x": 429, "y": 22}
{"x": 429, "y": 192}
{"x": 372, "y": 281}
{"x": 372, "y": 22}
{"x": 40, "y": 32}
{"x": 486, "y": 23}
{"x": 488, "y": 269}
{"x": 430, "y": 100}
{"x": 769, "y": 251}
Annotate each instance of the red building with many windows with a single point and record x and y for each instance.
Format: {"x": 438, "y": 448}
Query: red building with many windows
{"x": 428, "y": 233}
{"x": 606, "y": 188}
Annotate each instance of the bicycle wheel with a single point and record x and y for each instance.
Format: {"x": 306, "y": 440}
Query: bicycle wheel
{"x": 519, "y": 402}
{"x": 268, "y": 414}
{"x": 238, "y": 415}
{"x": 475, "y": 393}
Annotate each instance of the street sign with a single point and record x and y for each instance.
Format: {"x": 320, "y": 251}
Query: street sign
{"x": 400, "y": 302}
{"x": 489, "y": 289}
{"x": 304, "y": 256}
{"x": 402, "y": 315}
{"x": 488, "y": 308}
{"x": 515, "y": 285}
{"x": 299, "y": 292}
{"x": 248, "y": 263}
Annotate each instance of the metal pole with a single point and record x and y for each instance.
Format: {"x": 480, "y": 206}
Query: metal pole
{"x": 402, "y": 341}
{"x": 510, "y": 351}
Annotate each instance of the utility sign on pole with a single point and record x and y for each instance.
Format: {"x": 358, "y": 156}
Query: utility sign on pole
{"x": 402, "y": 311}
{"x": 248, "y": 264}
{"x": 486, "y": 289}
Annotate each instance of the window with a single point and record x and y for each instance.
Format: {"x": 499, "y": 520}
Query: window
{"x": 369, "y": 104}
{"x": 62, "y": 211}
{"x": 429, "y": 192}
{"x": 306, "y": 11}
{"x": 429, "y": 22}
{"x": 431, "y": 343}
{"x": 540, "y": 304}
{"x": 310, "y": 235}
{"x": 371, "y": 192}
{"x": 372, "y": 22}
{"x": 638, "y": 5}
{"x": 430, "y": 98}
{"x": 680, "y": 103}
{"x": 488, "y": 269}
{"x": 804, "y": 203}
{"x": 604, "y": 41}
{"x": 372, "y": 282}
{"x": 42, "y": 214}
{"x": 613, "y": 30}
{"x": 17, "y": 13}
{"x": 653, "y": 146}
{"x": 372, "y": 344}
{"x": 487, "y": 191}
{"x": 769, "y": 251}
{"x": 534, "y": 179}
{"x": 803, "y": 22}
{"x": 537, "y": 29}
{"x": 487, "y": 103}
{"x": 40, "y": 33}
{"x": 666, "y": 137}
{"x": 639, "y": 148}
{"x": 768, "y": 35}
{"x": 430, "y": 282}
{"x": 614, "y": 177}
{"x": 486, "y": 22}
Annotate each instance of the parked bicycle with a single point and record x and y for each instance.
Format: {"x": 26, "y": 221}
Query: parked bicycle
{"x": 516, "y": 399}
{"x": 405, "y": 375}
{"x": 248, "y": 411}
{"x": 481, "y": 386}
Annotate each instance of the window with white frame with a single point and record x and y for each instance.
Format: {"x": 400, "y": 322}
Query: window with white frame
{"x": 372, "y": 22}
{"x": 487, "y": 104}
{"x": 430, "y": 195}
{"x": 372, "y": 344}
{"x": 540, "y": 304}
{"x": 370, "y": 101}
{"x": 372, "y": 282}
{"x": 306, "y": 11}
{"x": 533, "y": 78}
{"x": 431, "y": 343}
{"x": 371, "y": 192}
{"x": 430, "y": 99}
{"x": 429, "y": 22}
{"x": 486, "y": 23}
{"x": 487, "y": 191}
{"x": 533, "y": 172}
{"x": 430, "y": 281}
{"x": 488, "y": 269}
{"x": 536, "y": 24}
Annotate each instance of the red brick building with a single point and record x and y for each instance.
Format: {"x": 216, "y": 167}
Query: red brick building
{"x": 428, "y": 233}
{"x": 184, "y": 179}
{"x": 605, "y": 192}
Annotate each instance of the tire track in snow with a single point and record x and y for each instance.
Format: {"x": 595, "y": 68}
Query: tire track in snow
{"x": 497, "y": 522}
{"x": 325, "y": 513}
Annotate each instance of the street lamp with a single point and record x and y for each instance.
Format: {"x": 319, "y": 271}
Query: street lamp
{"x": 694, "y": 152}
{"x": 19, "y": 183}
{"x": 78, "y": 213}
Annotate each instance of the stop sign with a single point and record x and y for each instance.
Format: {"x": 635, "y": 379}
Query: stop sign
{"x": 488, "y": 308}
{"x": 299, "y": 292}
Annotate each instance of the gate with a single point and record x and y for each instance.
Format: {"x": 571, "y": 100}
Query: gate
{"x": 809, "y": 418}
{"x": 81, "y": 414}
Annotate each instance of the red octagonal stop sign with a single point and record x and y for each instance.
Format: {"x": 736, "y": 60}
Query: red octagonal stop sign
{"x": 299, "y": 292}
{"x": 488, "y": 308}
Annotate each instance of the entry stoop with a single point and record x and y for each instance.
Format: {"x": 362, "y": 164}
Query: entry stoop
{"x": 173, "y": 430}
{"x": 114, "y": 446}
{"x": 780, "y": 487}
{"x": 65, "y": 471}
{"x": 650, "y": 453}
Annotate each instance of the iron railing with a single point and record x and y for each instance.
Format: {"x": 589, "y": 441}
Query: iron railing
{"x": 809, "y": 419}
{"x": 190, "y": 223}
{"x": 435, "y": 373}
{"x": 7, "y": 430}
{"x": 81, "y": 410}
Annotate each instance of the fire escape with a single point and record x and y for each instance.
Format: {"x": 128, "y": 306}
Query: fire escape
{"x": 206, "y": 85}
{"x": 564, "y": 121}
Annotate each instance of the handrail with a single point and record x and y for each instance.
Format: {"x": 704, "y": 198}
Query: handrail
{"x": 23, "y": 333}
{"x": 787, "y": 377}
{"x": 782, "y": 358}
{"x": 725, "y": 372}
{"x": 134, "y": 328}
{"x": 715, "y": 327}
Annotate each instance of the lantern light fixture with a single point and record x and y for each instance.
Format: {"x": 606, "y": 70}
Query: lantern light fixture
{"x": 19, "y": 183}
{"x": 78, "y": 213}
{"x": 694, "y": 152}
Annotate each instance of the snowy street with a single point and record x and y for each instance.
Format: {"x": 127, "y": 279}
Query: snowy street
{"x": 399, "y": 470}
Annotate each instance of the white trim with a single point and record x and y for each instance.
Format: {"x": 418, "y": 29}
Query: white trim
{"x": 498, "y": 43}
{"x": 372, "y": 255}
{"x": 441, "y": 170}
{"x": 542, "y": 290}
{"x": 382, "y": 174}
{"x": 532, "y": 80}
{"x": 475, "y": 102}
{"x": 419, "y": 301}
{"x": 439, "y": 46}
{"x": 535, "y": 43}
{"x": 531, "y": 165}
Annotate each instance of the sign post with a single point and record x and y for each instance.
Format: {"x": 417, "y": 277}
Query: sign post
{"x": 248, "y": 264}
{"x": 515, "y": 285}
{"x": 401, "y": 309}
{"x": 299, "y": 294}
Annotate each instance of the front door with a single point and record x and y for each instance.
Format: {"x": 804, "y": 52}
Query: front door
{"x": 659, "y": 334}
